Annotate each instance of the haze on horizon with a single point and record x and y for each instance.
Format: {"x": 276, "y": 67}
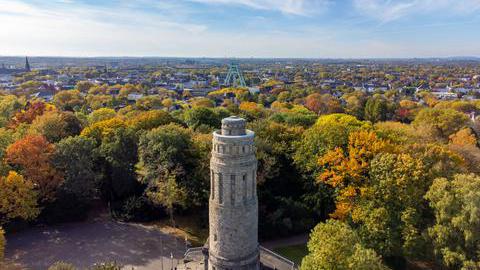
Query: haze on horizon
{"x": 241, "y": 28}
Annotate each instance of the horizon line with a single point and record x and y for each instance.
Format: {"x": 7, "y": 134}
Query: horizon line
{"x": 252, "y": 57}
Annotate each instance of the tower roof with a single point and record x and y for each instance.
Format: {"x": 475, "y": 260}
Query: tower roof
{"x": 233, "y": 126}
{"x": 27, "y": 65}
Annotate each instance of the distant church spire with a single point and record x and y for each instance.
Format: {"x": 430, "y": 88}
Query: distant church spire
{"x": 27, "y": 65}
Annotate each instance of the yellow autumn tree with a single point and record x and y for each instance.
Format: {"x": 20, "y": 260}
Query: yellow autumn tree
{"x": 2, "y": 244}
{"x": 281, "y": 106}
{"x": 103, "y": 129}
{"x": 18, "y": 198}
{"x": 252, "y": 108}
{"x": 149, "y": 120}
{"x": 347, "y": 170}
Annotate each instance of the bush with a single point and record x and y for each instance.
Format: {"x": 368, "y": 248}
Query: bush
{"x": 66, "y": 208}
{"x": 107, "y": 266}
{"x": 62, "y": 266}
{"x": 135, "y": 208}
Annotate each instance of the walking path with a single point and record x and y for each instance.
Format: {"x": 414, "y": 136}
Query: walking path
{"x": 86, "y": 243}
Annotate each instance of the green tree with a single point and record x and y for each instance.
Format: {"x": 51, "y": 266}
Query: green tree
{"x": 199, "y": 116}
{"x": 56, "y": 125}
{"x": 440, "y": 123}
{"x": 101, "y": 114}
{"x": 98, "y": 101}
{"x": 455, "y": 233}
{"x": 275, "y": 147}
{"x": 75, "y": 157}
{"x": 6, "y": 138}
{"x": 202, "y": 102}
{"x": 84, "y": 86}
{"x": 149, "y": 103}
{"x": 69, "y": 100}
{"x": 355, "y": 103}
{"x": 297, "y": 116}
{"x": 283, "y": 96}
{"x": 334, "y": 245}
{"x": 119, "y": 152}
{"x": 391, "y": 211}
{"x": 168, "y": 149}
{"x": 329, "y": 131}
{"x": 280, "y": 187}
{"x": 166, "y": 192}
{"x": 9, "y": 105}
{"x": 376, "y": 109}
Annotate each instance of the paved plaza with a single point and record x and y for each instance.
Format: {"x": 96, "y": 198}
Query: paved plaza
{"x": 85, "y": 243}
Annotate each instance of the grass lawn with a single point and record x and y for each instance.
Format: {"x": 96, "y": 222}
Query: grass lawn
{"x": 294, "y": 253}
{"x": 186, "y": 226}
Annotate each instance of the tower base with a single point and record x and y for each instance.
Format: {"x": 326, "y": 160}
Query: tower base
{"x": 199, "y": 259}
{"x": 251, "y": 262}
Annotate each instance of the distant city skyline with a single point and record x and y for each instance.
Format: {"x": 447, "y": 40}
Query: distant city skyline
{"x": 241, "y": 28}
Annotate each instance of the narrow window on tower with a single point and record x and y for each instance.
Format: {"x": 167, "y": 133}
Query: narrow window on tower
{"x": 232, "y": 191}
{"x": 220, "y": 188}
{"x": 244, "y": 184}
{"x": 254, "y": 181}
{"x": 212, "y": 184}
{"x": 253, "y": 184}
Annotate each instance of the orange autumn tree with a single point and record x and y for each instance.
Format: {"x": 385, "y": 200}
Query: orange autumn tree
{"x": 463, "y": 137}
{"x": 347, "y": 171}
{"x": 32, "y": 156}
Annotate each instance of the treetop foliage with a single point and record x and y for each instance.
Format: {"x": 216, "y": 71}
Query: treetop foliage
{"x": 388, "y": 176}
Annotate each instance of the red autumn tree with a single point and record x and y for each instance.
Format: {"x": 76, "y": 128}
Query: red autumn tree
{"x": 323, "y": 104}
{"x": 27, "y": 116}
{"x": 32, "y": 155}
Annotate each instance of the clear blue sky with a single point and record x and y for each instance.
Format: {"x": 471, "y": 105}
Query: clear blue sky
{"x": 241, "y": 28}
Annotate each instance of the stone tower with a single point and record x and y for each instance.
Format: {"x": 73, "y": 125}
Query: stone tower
{"x": 233, "y": 205}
